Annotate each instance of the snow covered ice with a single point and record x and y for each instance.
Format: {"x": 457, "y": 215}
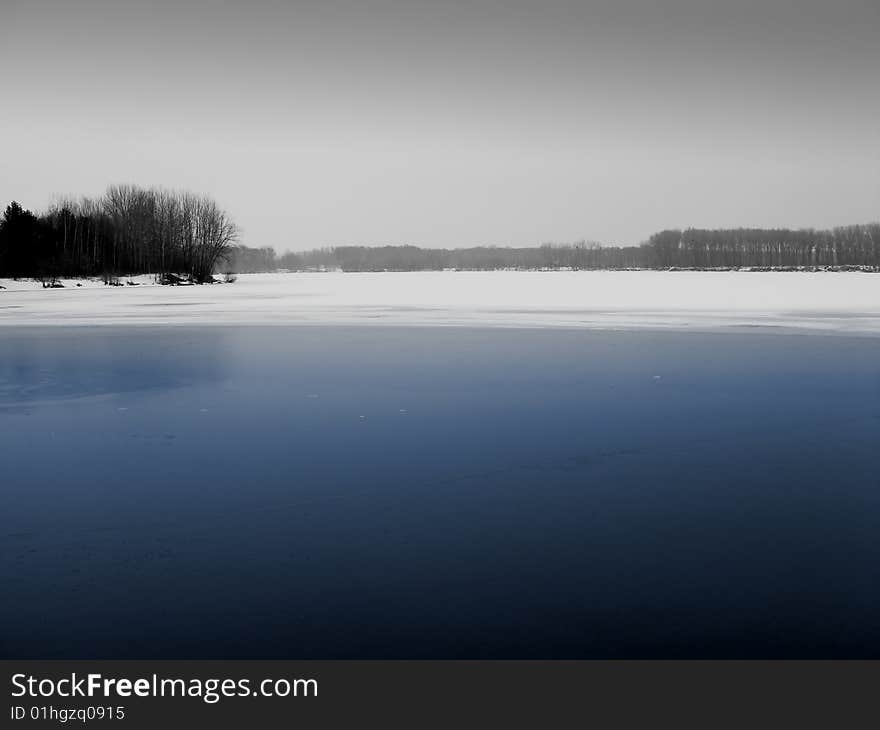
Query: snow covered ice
{"x": 846, "y": 302}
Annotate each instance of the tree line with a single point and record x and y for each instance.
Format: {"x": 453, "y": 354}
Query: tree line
{"x": 129, "y": 230}
{"x": 846, "y": 246}
{"x": 171, "y": 234}
{"x": 855, "y": 246}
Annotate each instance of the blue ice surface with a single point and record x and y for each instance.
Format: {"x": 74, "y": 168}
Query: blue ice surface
{"x": 372, "y": 492}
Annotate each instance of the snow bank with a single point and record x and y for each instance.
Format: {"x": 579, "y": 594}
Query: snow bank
{"x": 830, "y": 302}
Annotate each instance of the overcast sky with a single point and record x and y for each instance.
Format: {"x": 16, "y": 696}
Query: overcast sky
{"x": 452, "y": 123}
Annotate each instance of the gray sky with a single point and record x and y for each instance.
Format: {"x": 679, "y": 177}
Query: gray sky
{"x": 452, "y": 123}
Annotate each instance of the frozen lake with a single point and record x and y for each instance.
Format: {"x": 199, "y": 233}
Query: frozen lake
{"x": 307, "y": 492}
{"x": 807, "y": 302}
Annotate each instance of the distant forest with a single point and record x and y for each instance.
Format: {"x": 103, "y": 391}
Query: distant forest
{"x": 129, "y": 230}
{"x": 179, "y": 236}
{"x": 855, "y": 246}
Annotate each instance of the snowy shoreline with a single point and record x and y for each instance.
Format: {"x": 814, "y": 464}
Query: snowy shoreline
{"x": 820, "y": 302}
